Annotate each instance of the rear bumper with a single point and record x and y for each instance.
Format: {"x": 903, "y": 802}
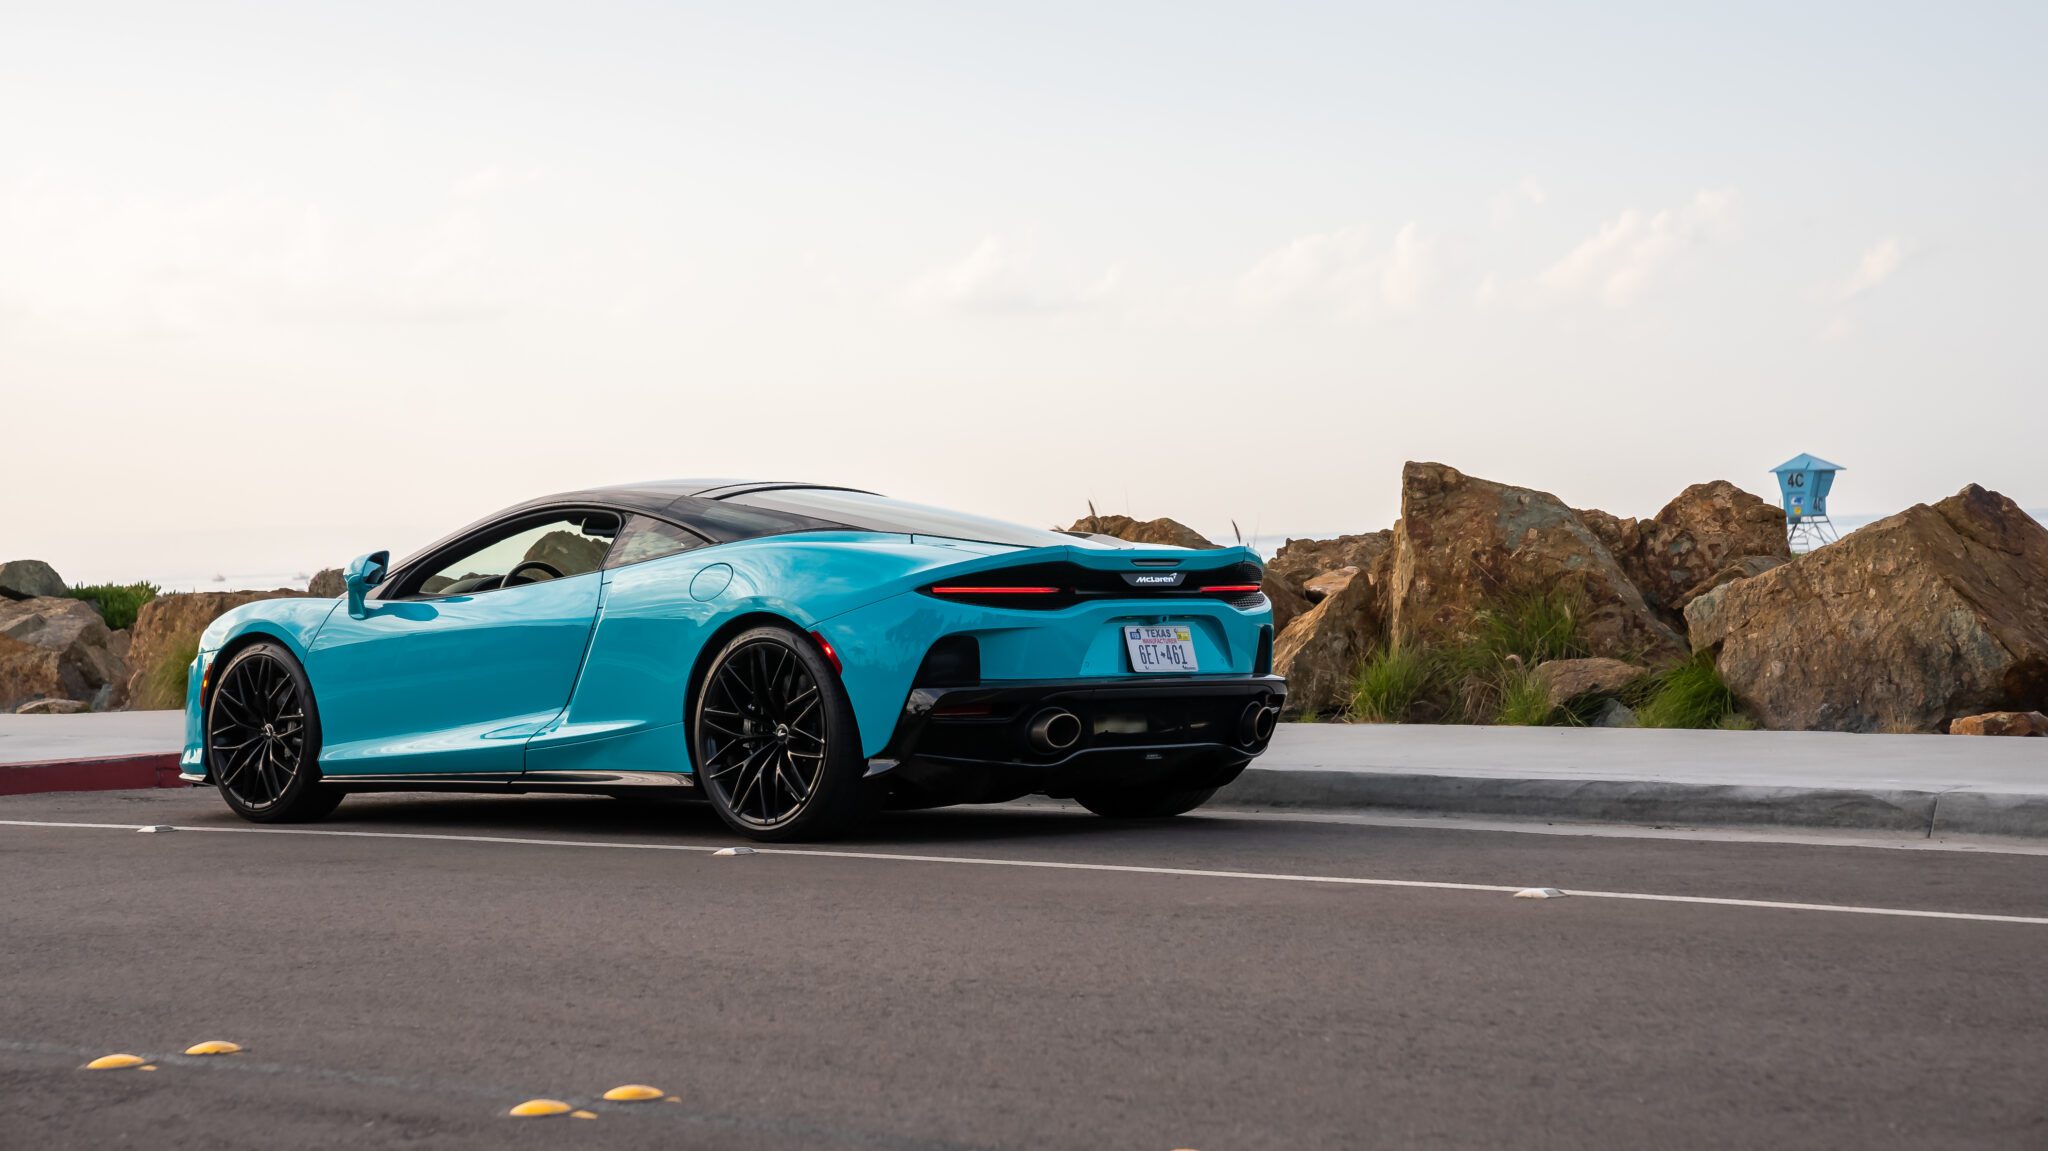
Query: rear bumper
{"x": 973, "y": 744}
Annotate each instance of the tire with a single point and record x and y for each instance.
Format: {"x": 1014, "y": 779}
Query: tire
{"x": 1144, "y": 802}
{"x": 262, "y": 732}
{"x": 773, "y": 740}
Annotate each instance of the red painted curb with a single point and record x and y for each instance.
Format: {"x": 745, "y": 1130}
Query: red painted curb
{"x": 119, "y": 773}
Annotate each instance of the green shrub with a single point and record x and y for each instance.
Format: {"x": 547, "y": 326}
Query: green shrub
{"x": 1524, "y": 699}
{"x": 1389, "y": 686}
{"x": 118, "y": 602}
{"x": 164, "y": 685}
{"x": 1534, "y": 627}
{"x": 1688, "y": 695}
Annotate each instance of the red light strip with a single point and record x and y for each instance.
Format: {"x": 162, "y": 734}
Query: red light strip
{"x": 995, "y": 591}
{"x": 1232, "y": 587}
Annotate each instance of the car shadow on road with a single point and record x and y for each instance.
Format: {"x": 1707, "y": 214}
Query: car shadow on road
{"x": 600, "y": 817}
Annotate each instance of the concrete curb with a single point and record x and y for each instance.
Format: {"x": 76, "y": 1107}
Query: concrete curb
{"x": 116, "y": 773}
{"x": 1950, "y": 812}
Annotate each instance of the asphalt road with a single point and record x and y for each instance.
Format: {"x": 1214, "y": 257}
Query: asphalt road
{"x": 405, "y": 987}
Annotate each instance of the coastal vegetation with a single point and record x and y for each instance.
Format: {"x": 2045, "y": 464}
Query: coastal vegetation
{"x": 118, "y": 603}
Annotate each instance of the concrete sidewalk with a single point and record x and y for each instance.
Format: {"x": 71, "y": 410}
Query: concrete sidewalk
{"x": 102, "y": 735}
{"x": 108, "y": 751}
{"x": 1931, "y": 784}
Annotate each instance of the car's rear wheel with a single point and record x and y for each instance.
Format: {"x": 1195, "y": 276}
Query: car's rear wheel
{"x": 1143, "y": 802}
{"x": 263, "y": 738}
{"x": 773, "y": 739}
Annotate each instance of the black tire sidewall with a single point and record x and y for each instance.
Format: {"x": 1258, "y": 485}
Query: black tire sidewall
{"x": 840, "y": 796}
{"x": 304, "y": 798}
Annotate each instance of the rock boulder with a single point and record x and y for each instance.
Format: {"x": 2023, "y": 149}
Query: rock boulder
{"x": 1567, "y": 679}
{"x": 1299, "y": 561}
{"x": 1938, "y": 612}
{"x": 52, "y": 707}
{"x": 2001, "y": 723}
{"x": 166, "y": 633}
{"x": 1287, "y": 602}
{"x": 1159, "y": 531}
{"x": 1743, "y": 568}
{"x": 1464, "y": 543}
{"x": 326, "y": 583}
{"x": 1697, "y": 535}
{"x": 1328, "y": 584}
{"x": 56, "y": 647}
{"x": 27, "y": 579}
{"x": 1321, "y": 651}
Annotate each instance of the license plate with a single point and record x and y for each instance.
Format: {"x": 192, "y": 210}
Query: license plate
{"x": 1161, "y": 649}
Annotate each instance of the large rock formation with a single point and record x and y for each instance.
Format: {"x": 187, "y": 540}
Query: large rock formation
{"x": 1464, "y": 543}
{"x": 1707, "y": 528}
{"x": 1321, "y": 651}
{"x": 1938, "y": 612}
{"x": 327, "y": 583}
{"x": 166, "y": 634}
{"x": 27, "y": 579}
{"x": 56, "y": 647}
{"x": 1299, "y": 561}
{"x": 1159, "y": 531}
{"x": 1287, "y": 602}
{"x": 1743, "y": 568}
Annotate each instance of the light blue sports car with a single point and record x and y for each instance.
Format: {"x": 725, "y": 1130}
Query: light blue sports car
{"x": 797, "y": 655}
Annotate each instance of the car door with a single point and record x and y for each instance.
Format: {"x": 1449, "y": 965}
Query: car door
{"x": 464, "y": 654}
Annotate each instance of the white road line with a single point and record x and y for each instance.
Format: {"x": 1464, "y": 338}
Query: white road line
{"x": 1069, "y": 865}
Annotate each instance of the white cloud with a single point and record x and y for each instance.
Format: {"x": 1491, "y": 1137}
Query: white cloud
{"x": 1618, "y": 262}
{"x": 1343, "y": 272}
{"x": 1487, "y": 291}
{"x": 1410, "y": 270}
{"x": 1328, "y": 268}
{"x": 994, "y": 277}
{"x": 1877, "y": 266}
{"x": 1509, "y": 204}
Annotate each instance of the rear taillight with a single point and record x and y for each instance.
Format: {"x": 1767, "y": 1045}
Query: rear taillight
{"x": 1230, "y": 588}
{"x": 997, "y": 590}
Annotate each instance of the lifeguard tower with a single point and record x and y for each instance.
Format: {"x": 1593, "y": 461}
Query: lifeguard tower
{"x": 1803, "y": 483}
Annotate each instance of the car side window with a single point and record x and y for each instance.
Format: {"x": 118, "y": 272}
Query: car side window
{"x": 555, "y": 546}
{"x": 646, "y": 538}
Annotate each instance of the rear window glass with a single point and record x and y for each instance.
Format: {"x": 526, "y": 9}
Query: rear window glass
{"x": 873, "y": 513}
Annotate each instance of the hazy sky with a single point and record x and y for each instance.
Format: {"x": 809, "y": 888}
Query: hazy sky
{"x": 281, "y": 283}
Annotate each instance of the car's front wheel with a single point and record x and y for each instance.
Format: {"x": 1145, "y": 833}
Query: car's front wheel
{"x": 263, "y": 738}
{"x": 1144, "y": 802}
{"x": 773, "y": 739}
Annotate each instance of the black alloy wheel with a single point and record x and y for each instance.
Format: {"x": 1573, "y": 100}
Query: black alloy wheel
{"x": 263, "y": 738}
{"x": 775, "y": 746}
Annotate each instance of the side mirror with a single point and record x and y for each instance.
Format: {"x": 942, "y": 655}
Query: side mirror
{"x": 362, "y": 574}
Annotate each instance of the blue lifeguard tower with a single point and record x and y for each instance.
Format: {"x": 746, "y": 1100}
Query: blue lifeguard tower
{"x": 1803, "y": 483}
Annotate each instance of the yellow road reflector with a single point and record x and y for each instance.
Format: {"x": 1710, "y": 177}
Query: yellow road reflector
{"x": 147, "y": 1067}
{"x": 633, "y": 1093}
{"x": 536, "y": 1108}
{"x": 213, "y": 1047}
{"x": 672, "y": 1099}
{"x": 115, "y": 1062}
{"x": 582, "y": 1114}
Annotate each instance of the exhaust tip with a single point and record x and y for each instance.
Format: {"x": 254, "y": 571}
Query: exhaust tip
{"x": 1255, "y": 726}
{"x": 1054, "y": 729}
